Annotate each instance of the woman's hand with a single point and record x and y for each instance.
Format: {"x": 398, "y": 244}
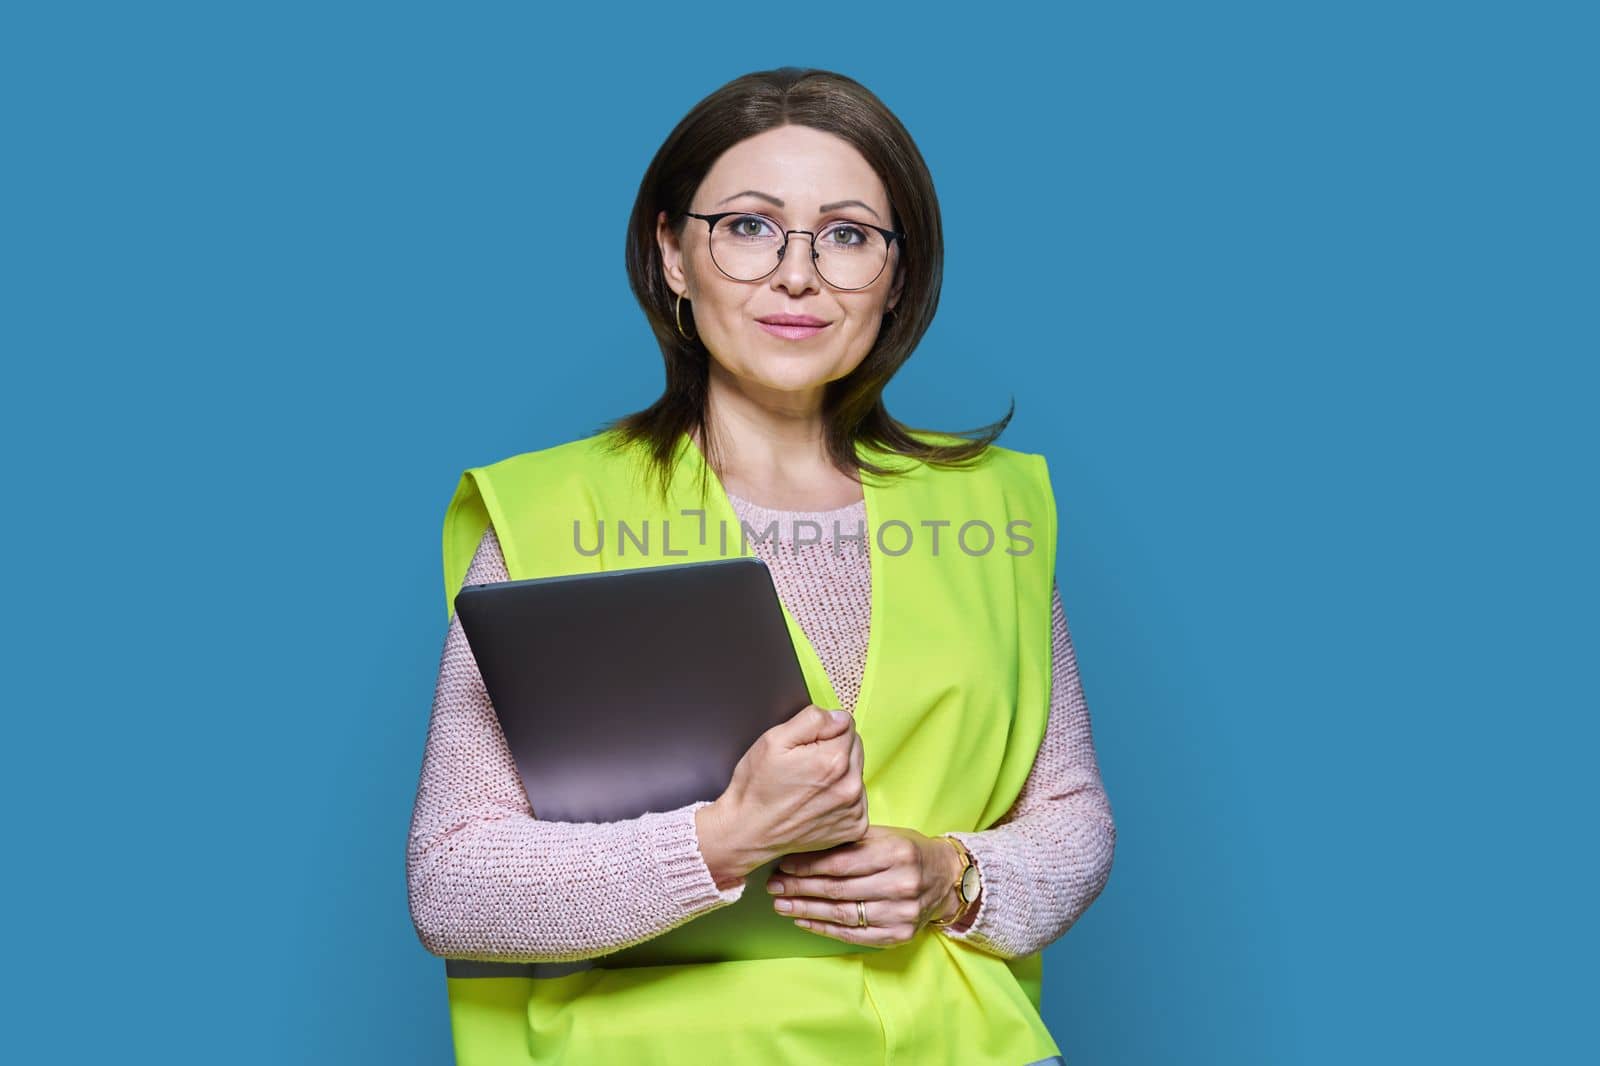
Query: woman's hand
{"x": 797, "y": 788}
{"x": 904, "y": 877}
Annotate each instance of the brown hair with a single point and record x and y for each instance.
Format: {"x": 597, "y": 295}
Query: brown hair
{"x": 853, "y": 407}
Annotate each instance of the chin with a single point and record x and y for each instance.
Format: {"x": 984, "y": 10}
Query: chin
{"x": 792, "y": 373}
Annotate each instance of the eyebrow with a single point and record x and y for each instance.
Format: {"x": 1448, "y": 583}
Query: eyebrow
{"x": 824, "y": 208}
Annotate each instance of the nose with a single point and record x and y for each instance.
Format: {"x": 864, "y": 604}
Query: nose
{"x": 798, "y": 272}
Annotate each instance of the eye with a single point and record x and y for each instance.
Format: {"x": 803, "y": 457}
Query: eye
{"x": 750, "y": 226}
{"x": 846, "y": 235}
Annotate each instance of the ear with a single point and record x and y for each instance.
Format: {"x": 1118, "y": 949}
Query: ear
{"x": 899, "y": 283}
{"x": 671, "y": 256}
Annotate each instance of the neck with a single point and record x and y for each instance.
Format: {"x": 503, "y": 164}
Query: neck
{"x": 775, "y": 458}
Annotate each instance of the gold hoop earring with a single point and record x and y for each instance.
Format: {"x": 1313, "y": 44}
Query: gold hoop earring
{"x": 677, "y": 314}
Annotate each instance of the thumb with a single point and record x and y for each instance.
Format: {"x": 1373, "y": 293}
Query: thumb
{"x": 812, "y": 724}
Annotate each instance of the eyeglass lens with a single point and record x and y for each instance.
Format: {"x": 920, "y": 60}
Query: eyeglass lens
{"x": 747, "y": 247}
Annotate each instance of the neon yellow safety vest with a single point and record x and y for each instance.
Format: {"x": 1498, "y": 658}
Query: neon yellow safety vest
{"x": 952, "y": 709}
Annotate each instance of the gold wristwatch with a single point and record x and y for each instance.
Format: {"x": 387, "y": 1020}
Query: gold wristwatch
{"x": 968, "y": 883}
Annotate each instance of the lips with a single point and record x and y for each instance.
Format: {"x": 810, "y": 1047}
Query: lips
{"x": 792, "y": 327}
{"x": 791, "y": 333}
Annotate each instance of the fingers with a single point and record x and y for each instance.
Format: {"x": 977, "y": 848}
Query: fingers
{"x": 879, "y": 849}
{"x": 846, "y": 755}
{"x": 889, "y": 922}
{"x": 897, "y": 883}
{"x": 880, "y": 912}
{"x": 857, "y": 859}
{"x": 812, "y": 724}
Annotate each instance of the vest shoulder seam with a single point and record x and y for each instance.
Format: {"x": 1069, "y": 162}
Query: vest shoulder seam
{"x": 565, "y": 450}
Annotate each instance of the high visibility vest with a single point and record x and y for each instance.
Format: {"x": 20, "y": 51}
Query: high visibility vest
{"x": 952, "y": 709}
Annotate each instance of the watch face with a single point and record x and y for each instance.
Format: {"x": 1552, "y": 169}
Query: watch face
{"x": 969, "y": 884}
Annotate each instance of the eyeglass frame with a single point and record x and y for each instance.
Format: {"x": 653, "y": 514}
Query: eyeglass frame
{"x": 711, "y": 221}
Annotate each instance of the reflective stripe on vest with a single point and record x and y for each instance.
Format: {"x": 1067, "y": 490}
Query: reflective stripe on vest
{"x": 952, "y": 708}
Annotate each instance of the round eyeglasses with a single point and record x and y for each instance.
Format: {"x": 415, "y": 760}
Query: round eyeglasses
{"x": 747, "y": 246}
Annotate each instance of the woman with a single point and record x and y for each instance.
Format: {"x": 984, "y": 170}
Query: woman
{"x": 785, "y": 246}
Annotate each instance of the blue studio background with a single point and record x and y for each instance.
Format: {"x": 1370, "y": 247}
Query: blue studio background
{"x": 1299, "y": 301}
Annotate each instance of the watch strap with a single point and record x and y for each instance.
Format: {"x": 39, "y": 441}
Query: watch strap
{"x": 964, "y": 904}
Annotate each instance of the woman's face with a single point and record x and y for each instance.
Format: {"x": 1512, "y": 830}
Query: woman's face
{"x": 805, "y": 169}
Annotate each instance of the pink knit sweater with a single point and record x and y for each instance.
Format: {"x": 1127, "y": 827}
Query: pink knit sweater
{"x": 487, "y": 880}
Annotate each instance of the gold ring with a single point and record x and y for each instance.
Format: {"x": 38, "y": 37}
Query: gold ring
{"x": 861, "y": 913}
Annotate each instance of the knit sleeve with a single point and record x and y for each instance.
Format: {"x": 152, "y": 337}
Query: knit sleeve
{"x": 487, "y": 880}
{"x": 1049, "y": 858}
